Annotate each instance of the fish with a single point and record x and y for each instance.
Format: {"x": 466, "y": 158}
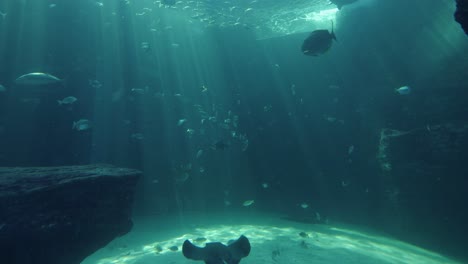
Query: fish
{"x": 304, "y": 205}
{"x": 158, "y": 249}
{"x": 350, "y": 149}
{"x": 95, "y": 84}
{"x": 139, "y": 91}
{"x": 200, "y": 240}
{"x": 404, "y": 90}
{"x": 37, "y": 78}
{"x": 220, "y": 145}
{"x": 137, "y": 136}
{"x": 173, "y": 248}
{"x": 318, "y": 42}
{"x": 181, "y": 122}
{"x": 340, "y": 3}
{"x": 2, "y": 89}
{"x": 145, "y": 46}
{"x": 217, "y": 252}
{"x": 81, "y": 125}
{"x": 199, "y": 153}
{"x": 67, "y": 100}
{"x": 182, "y": 173}
{"x": 190, "y": 131}
{"x": 303, "y": 234}
{"x": 248, "y": 203}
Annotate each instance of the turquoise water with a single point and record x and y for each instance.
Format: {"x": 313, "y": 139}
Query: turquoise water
{"x": 217, "y": 105}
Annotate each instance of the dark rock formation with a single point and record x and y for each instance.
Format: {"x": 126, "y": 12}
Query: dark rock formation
{"x": 461, "y": 14}
{"x": 59, "y": 215}
{"x": 424, "y": 174}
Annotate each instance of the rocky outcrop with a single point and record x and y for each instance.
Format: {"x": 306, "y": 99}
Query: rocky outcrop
{"x": 461, "y": 14}
{"x": 58, "y": 215}
{"x": 423, "y": 177}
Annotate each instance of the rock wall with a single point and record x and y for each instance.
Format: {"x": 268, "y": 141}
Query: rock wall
{"x": 461, "y": 14}
{"x": 59, "y": 215}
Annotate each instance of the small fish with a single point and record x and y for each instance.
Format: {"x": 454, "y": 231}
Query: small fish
{"x": 36, "y": 78}
{"x": 404, "y": 90}
{"x": 67, "y": 100}
{"x": 318, "y": 217}
{"x": 190, "y": 131}
{"x": 2, "y": 89}
{"x": 95, "y": 84}
{"x": 350, "y": 149}
{"x": 173, "y": 248}
{"x": 303, "y": 235}
{"x": 275, "y": 254}
{"x": 140, "y": 91}
{"x": 248, "y": 203}
{"x": 137, "y": 136}
{"x": 330, "y": 119}
{"x": 199, "y": 239}
{"x": 204, "y": 88}
{"x": 3, "y": 15}
{"x": 245, "y": 144}
{"x": 199, "y": 153}
{"x": 304, "y": 205}
{"x": 145, "y": 46}
{"x": 81, "y": 125}
{"x": 265, "y": 185}
{"x": 158, "y": 249}
{"x": 181, "y": 121}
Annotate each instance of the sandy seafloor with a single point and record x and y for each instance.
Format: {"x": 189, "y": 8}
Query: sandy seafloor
{"x": 331, "y": 243}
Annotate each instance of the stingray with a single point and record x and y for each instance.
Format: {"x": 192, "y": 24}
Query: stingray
{"x": 218, "y": 253}
{"x": 340, "y": 3}
{"x": 318, "y": 42}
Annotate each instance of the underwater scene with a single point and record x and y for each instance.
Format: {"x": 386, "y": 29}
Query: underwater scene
{"x": 233, "y": 131}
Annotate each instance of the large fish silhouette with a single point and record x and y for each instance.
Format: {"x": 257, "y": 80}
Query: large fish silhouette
{"x": 318, "y": 42}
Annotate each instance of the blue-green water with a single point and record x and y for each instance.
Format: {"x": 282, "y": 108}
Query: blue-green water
{"x": 216, "y": 104}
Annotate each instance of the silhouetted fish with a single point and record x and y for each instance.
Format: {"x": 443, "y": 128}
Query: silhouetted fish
{"x": 218, "y": 253}
{"x": 318, "y": 42}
